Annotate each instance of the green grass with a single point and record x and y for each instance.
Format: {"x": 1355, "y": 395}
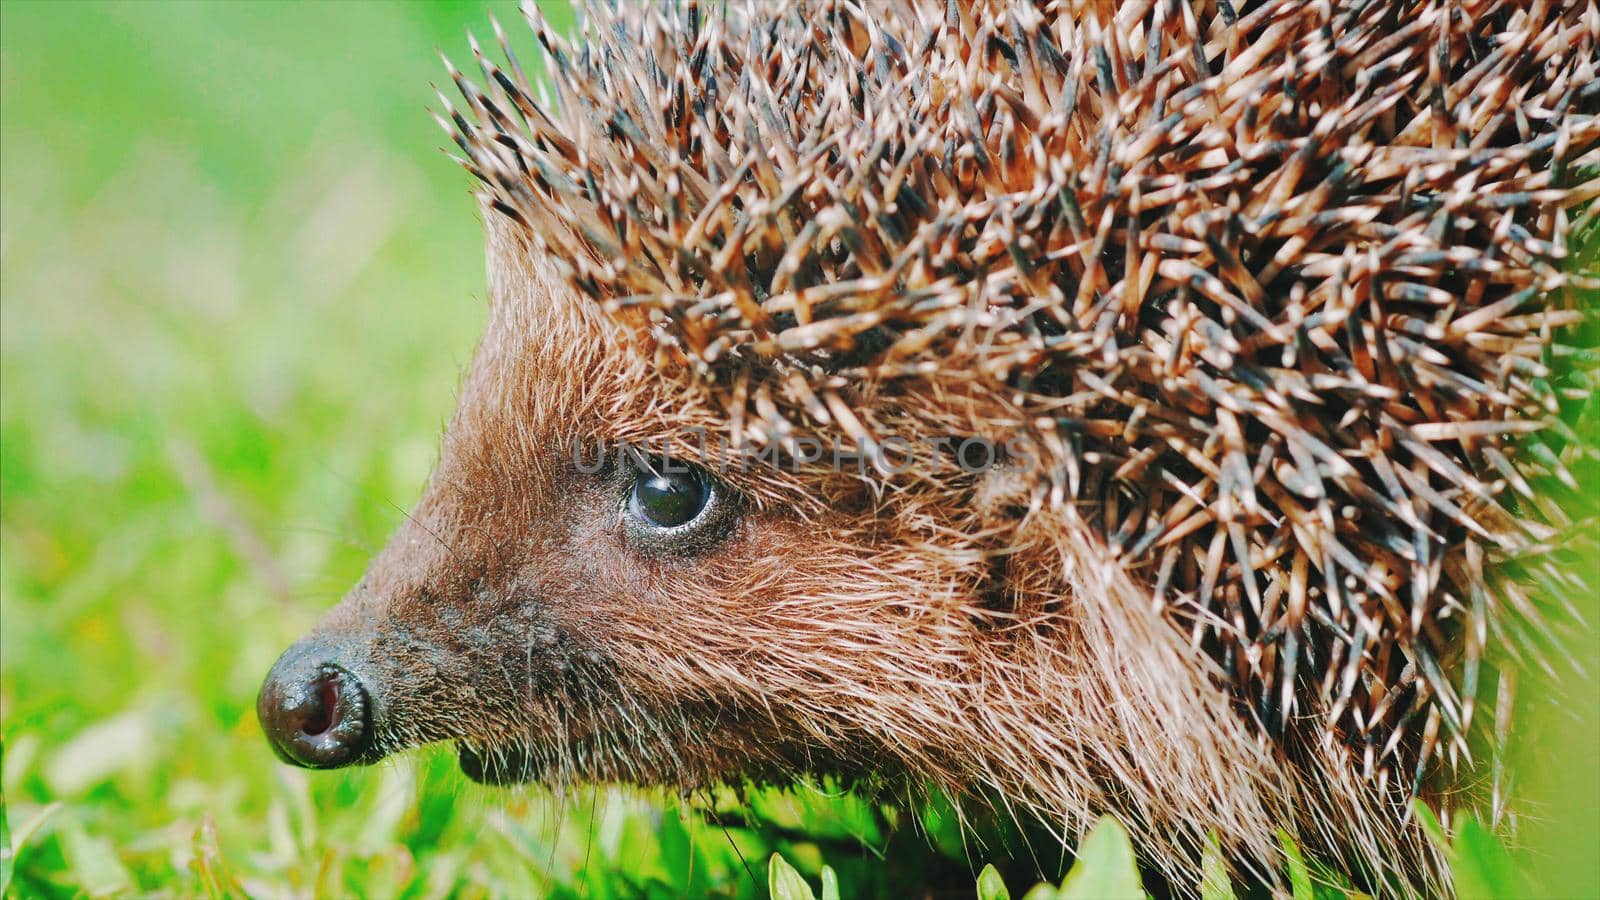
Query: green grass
{"x": 239, "y": 283}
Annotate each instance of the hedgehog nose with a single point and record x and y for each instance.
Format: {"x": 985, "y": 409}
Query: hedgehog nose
{"x": 315, "y": 713}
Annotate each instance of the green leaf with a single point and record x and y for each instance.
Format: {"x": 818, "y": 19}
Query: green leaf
{"x": 991, "y": 886}
{"x": 830, "y": 884}
{"x": 1479, "y": 863}
{"x": 6, "y": 861}
{"x": 1105, "y": 867}
{"x": 1332, "y": 884}
{"x": 94, "y": 861}
{"x": 215, "y": 876}
{"x": 1042, "y": 892}
{"x": 1299, "y": 876}
{"x": 119, "y": 744}
{"x": 1430, "y": 824}
{"x": 785, "y": 882}
{"x": 941, "y": 822}
{"x": 1214, "y": 883}
{"x": 30, "y": 824}
{"x": 1481, "y": 867}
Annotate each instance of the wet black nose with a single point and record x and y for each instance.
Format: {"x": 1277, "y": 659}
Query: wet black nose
{"x": 315, "y": 713}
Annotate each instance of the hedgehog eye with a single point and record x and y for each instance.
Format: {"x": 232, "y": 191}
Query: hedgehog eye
{"x": 667, "y": 499}
{"x": 669, "y": 496}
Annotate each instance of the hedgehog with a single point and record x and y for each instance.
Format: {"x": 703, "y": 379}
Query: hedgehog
{"x": 1166, "y": 409}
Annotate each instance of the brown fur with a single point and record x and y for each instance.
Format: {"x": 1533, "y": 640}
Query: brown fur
{"x": 990, "y": 632}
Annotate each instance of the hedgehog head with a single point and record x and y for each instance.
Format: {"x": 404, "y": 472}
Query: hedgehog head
{"x": 596, "y": 586}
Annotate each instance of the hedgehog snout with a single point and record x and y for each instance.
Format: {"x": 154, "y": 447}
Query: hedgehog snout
{"x": 314, "y": 711}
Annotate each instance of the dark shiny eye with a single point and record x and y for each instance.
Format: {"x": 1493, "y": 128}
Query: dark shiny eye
{"x": 668, "y": 495}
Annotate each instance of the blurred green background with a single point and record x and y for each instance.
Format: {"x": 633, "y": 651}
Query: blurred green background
{"x": 240, "y": 282}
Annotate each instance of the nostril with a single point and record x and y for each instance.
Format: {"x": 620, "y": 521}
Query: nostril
{"x": 319, "y": 717}
{"x": 315, "y": 715}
